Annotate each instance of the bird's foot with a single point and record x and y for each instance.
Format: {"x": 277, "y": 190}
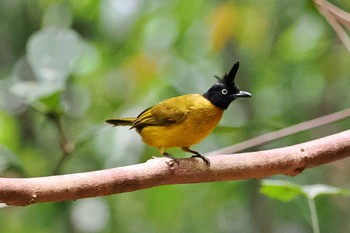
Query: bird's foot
{"x": 196, "y": 155}
{"x": 171, "y": 157}
{"x": 205, "y": 159}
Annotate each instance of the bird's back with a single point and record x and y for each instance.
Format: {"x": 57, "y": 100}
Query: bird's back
{"x": 178, "y": 122}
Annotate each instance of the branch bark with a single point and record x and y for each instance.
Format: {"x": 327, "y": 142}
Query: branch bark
{"x": 161, "y": 171}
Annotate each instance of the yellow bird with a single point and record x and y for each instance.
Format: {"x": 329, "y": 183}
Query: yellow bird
{"x": 185, "y": 120}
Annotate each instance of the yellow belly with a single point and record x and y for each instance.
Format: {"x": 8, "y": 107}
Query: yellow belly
{"x": 203, "y": 117}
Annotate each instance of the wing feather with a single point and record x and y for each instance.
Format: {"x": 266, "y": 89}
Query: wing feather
{"x": 167, "y": 112}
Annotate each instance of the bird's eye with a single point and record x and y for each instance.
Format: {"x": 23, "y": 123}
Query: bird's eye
{"x": 224, "y": 91}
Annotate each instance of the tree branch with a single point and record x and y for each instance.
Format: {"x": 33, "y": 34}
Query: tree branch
{"x": 162, "y": 171}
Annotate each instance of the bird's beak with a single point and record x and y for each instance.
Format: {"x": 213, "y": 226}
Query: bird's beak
{"x": 242, "y": 94}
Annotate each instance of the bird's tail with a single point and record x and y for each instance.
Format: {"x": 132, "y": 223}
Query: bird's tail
{"x": 121, "y": 121}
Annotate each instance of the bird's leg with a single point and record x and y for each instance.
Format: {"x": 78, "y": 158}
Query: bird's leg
{"x": 163, "y": 152}
{"x": 196, "y": 154}
{"x": 171, "y": 157}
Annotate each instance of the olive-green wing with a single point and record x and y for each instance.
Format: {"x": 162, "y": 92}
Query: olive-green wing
{"x": 170, "y": 111}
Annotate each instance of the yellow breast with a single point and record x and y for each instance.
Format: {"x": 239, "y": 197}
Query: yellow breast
{"x": 201, "y": 118}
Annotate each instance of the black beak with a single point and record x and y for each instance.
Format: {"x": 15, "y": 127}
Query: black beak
{"x": 242, "y": 94}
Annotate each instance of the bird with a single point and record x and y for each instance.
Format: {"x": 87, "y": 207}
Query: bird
{"x": 185, "y": 120}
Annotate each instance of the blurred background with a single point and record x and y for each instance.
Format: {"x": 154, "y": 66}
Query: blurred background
{"x": 66, "y": 66}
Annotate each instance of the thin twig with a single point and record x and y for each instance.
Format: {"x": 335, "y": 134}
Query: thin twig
{"x": 342, "y": 16}
{"x": 66, "y": 146}
{"x": 336, "y": 17}
{"x": 307, "y": 125}
{"x": 314, "y": 217}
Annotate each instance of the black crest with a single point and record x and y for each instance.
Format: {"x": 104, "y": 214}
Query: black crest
{"x": 222, "y": 93}
{"x": 229, "y": 79}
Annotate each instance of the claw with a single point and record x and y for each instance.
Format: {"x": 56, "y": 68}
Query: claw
{"x": 171, "y": 157}
{"x": 197, "y": 154}
{"x": 205, "y": 159}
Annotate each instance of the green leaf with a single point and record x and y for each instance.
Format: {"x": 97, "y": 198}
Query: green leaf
{"x": 280, "y": 190}
{"x": 27, "y": 87}
{"x": 31, "y": 91}
{"x": 313, "y": 191}
{"x": 49, "y": 103}
{"x": 286, "y": 191}
{"x": 53, "y": 53}
{"x": 51, "y": 56}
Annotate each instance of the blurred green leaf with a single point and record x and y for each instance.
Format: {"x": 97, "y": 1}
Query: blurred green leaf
{"x": 286, "y": 191}
{"x": 51, "y": 56}
{"x": 23, "y": 71}
{"x": 53, "y": 52}
{"x": 49, "y": 103}
{"x": 25, "y": 85}
{"x": 315, "y": 190}
{"x": 31, "y": 91}
{"x": 280, "y": 190}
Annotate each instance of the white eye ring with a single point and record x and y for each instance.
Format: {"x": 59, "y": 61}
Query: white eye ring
{"x": 224, "y": 91}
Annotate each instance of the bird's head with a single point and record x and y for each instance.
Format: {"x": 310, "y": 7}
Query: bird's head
{"x": 222, "y": 93}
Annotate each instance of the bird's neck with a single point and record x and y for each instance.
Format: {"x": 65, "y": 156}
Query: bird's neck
{"x": 217, "y": 101}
